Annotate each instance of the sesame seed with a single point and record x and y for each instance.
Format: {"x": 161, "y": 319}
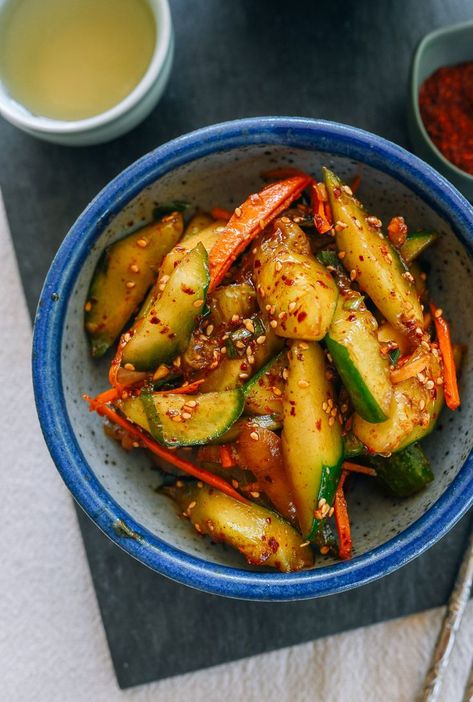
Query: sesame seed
{"x": 198, "y": 528}
{"x": 324, "y": 550}
{"x": 236, "y": 318}
{"x": 389, "y": 258}
{"x": 322, "y": 502}
{"x": 273, "y": 323}
{"x": 251, "y": 359}
{"x": 261, "y": 339}
{"x": 334, "y": 412}
{"x": 243, "y": 375}
{"x": 303, "y": 383}
{"x": 438, "y": 313}
{"x": 286, "y": 220}
{"x": 357, "y": 223}
{"x": 421, "y": 377}
{"x": 346, "y": 189}
{"x": 209, "y": 329}
{"x": 238, "y": 211}
{"x": 331, "y": 421}
{"x": 129, "y": 366}
{"x": 285, "y": 373}
{"x": 374, "y": 221}
{"x": 191, "y": 403}
{"x": 254, "y": 435}
{"x": 330, "y": 402}
{"x": 303, "y": 545}
{"x": 421, "y": 404}
{"x": 278, "y": 266}
{"x": 235, "y": 483}
{"x": 352, "y": 274}
{"x": 223, "y": 349}
{"x": 276, "y": 391}
{"x": 239, "y": 344}
{"x": 186, "y": 415}
{"x": 292, "y": 306}
{"x": 200, "y": 484}
{"x": 324, "y": 406}
{"x": 130, "y": 284}
{"x": 439, "y": 380}
{"x": 164, "y": 279}
{"x": 135, "y": 444}
{"x": 198, "y": 303}
{"x": 254, "y": 251}
{"x": 331, "y": 511}
{"x": 344, "y": 408}
{"x": 282, "y": 315}
{"x": 268, "y": 308}
{"x": 254, "y": 494}
{"x": 419, "y": 331}
{"x": 88, "y": 306}
{"x": 430, "y": 385}
{"x": 341, "y": 255}
{"x": 339, "y": 225}
{"x": 142, "y": 243}
{"x": 179, "y": 483}
{"x": 134, "y": 268}
{"x": 249, "y": 325}
{"x": 303, "y": 346}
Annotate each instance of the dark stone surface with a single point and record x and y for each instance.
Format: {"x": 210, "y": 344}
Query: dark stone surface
{"x": 345, "y": 61}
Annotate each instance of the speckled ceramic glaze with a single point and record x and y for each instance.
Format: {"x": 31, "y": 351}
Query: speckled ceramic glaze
{"x": 220, "y": 165}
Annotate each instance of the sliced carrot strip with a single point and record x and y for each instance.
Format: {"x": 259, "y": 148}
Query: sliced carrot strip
{"x": 220, "y": 213}
{"x": 226, "y": 456}
{"x": 103, "y": 398}
{"x": 357, "y": 468}
{"x": 342, "y": 520}
{"x": 450, "y": 385}
{"x": 321, "y": 221}
{"x": 188, "y": 467}
{"x": 249, "y": 220}
{"x": 184, "y": 389}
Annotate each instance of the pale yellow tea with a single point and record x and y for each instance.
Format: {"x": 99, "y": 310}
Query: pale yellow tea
{"x": 72, "y": 59}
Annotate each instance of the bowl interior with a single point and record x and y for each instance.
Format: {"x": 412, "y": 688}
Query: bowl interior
{"x": 224, "y": 179}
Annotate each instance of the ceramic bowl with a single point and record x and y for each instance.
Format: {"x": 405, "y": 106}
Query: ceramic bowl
{"x": 119, "y": 119}
{"x": 221, "y": 165}
{"x": 444, "y": 47}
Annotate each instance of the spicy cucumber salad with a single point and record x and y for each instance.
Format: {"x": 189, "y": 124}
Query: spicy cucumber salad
{"x": 265, "y": 357}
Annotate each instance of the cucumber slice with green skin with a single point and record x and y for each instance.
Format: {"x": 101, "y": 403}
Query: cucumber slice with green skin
{"x": 354, "y": 347}
{"x": 404, "y": 473}
{"x": 352, "y": 447}
{"x": 407, "y": 422}
{"x": 379, "y": 270}
{"x": 134, "y": 259}
{"x": 263, "y": 393}
{"x": 312, "y": 442}
{"x": 298, "y": 287}
{"x": 207, "y": 237}
{"x": 415, "y": 243}
{"x": 165, "y": 330}
{"x": 260, "y": 534}
{"x": 213, "y": 415}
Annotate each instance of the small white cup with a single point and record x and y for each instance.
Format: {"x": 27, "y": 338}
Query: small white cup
{"x": 119, "y": 119}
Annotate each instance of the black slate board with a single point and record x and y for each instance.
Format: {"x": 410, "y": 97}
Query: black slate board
{"x": 342, "y": 60}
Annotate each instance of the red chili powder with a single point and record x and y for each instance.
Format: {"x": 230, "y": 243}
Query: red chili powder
{"x": 446, "y": 107}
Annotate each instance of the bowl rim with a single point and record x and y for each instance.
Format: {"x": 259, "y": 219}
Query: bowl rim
{"x": 139, "y": 542}
{"x": 414, "y": 94}
{"x": 19, "y": 115}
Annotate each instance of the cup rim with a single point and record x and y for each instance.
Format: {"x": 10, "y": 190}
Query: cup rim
{"x": 18, "y": 115}
{"x": 146, "y": 547}
{"x": 414, "y": 91}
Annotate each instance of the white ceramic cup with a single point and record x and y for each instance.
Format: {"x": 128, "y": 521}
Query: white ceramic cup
{"x": 120, "y": 118}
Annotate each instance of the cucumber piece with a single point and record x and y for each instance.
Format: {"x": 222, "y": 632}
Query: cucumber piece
{"x": 407, "y": 422}
{"x": 260, "y": 534}
{"x": 228, "y": 373}
{"x": 354, "y": 347}
{"x": 312, "y": 442}
{"x": 415, "y": 243}
{"x": 298, "y": 287}
{"x": 200, "y": 221}
{"x": 229, "y": 300}
{"x": 156, "y": 413}
{"x": 134, "y": 259}
{"x": 379, "y": 270}
{"x": 352, "y": 446}
{"x": 404, "y": 473}
{"x": 166, "y": 328}
{"x": 263, "y": 393}
{"x": 207, "y": 237}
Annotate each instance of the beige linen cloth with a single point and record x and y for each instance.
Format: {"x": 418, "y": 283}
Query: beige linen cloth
{"x": 52, "y": 644}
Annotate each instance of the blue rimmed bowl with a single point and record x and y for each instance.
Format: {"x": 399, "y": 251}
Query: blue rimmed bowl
{"x": 220, "y": 165}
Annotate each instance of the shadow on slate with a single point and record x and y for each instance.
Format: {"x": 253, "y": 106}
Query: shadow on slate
{"x": 345, "y": 61}
{"x": 160, "y": 629}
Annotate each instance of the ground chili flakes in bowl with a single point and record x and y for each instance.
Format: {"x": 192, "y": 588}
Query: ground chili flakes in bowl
{"x": 440, "y": 116}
